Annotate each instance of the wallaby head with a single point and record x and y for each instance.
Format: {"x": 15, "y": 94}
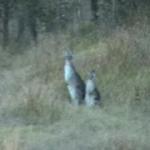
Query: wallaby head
{"x": 92, "y": 75}
{"x": 68, "y": 55}
{"x": 90, "y": 82}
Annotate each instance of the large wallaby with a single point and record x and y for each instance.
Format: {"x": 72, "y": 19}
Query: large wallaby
{"x": 75, "y": 84}
{"x": 92, "y": 96}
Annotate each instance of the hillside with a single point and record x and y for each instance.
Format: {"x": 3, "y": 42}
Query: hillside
{"x": 35, "y": 112}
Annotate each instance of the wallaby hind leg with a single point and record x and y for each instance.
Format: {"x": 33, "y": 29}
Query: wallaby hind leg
{"x": 89, "y": 100}
{"x": 72, "y": 92}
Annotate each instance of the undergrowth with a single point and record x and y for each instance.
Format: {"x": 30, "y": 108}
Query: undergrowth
{"x": 35, "y": 111}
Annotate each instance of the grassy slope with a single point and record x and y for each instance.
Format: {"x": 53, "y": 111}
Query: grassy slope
{"x": 34, "y": 109}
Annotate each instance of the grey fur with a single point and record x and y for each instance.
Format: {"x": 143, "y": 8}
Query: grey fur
{"x": 75, "y": 84}
{"x": 92, "y": 96}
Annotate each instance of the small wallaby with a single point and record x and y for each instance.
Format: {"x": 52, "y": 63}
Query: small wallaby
{"x": 75, "y": 84}
{"x": 92, "y": 95}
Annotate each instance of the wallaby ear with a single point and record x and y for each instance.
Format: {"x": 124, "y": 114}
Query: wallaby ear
{"x": 92, "y": 74}
{"x": 89, "y": 75}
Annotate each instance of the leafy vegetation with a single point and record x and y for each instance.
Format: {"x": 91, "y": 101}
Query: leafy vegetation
{"x": 35, "y": 112}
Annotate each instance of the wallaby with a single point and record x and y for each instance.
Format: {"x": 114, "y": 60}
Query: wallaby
{"x": 75, "y": 84}
{"x": 92, "y": 95}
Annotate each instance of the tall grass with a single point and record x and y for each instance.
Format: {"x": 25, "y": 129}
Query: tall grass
{"x": 35, "y": 112}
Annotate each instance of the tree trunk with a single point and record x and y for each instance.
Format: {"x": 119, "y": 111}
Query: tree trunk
{"x": 21, "y": 28}
{"x": 33, "y": 28}
{"x": 5, "y": 23}
{"x": 114, "y": 13}
{"x": 94, "y": 8}
{"x": 32, "y": 15}
{"x": 85, "y": 11}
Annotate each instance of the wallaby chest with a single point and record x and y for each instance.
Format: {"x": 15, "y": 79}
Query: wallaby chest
{"x": 90, "y": 86}
{"x": 68, "y": 72}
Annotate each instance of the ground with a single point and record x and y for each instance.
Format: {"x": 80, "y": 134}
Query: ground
{"x": 35, "y": 112}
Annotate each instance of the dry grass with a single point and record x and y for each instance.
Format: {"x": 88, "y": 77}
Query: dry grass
{"x": 35, "y": 112}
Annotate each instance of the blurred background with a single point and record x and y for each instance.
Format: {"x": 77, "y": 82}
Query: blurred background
{"x": 25, "y": 20}
{"x": 110, "y": 36}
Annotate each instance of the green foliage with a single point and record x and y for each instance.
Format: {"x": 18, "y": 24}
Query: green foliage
{"x": 23, "y": 20}
{"x": 35, "y": 112}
